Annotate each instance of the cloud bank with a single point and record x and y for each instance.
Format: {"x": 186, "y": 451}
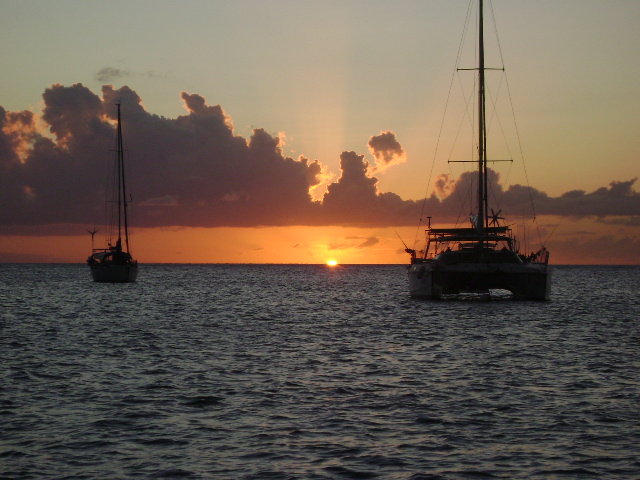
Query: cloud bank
{"x": 194, "y": 171}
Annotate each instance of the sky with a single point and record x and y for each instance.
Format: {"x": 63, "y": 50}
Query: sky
{"x": 298, "y": 131}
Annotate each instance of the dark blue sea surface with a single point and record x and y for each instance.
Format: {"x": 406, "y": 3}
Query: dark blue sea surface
{"x": 311, "y": 372}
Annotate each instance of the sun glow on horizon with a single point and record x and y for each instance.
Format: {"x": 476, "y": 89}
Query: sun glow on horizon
{"x": 332, "y": 263}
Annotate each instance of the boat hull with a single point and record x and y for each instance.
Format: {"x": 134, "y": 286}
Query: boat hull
{"x": 432, "y": 280}
{"x": 111, "y": 273}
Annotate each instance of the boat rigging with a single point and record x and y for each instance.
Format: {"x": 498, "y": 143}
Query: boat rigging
{"x": 485, "y": 256}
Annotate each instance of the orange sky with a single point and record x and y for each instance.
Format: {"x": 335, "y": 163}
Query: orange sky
{"x": 571, "y": 242}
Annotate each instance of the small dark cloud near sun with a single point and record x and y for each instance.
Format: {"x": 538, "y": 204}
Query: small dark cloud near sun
{"x": 364, "y": 242}
{"x": 354, "y": 242}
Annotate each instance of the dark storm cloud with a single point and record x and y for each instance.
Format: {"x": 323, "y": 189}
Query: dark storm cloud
{"x": 194, "y": 170}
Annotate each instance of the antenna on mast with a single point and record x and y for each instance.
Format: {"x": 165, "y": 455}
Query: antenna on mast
{"x": 93, "y": 233}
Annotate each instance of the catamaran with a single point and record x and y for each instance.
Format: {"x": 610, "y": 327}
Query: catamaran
{"x": 114, "y": 264}
{"x": 486, "y": 255}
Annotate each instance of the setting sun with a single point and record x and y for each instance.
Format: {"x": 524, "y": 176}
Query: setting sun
{"x": 332, "y": 263}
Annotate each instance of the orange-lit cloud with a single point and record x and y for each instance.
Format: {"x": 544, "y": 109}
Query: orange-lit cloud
{"x": 386, "y": 150}
{"x": 19, "y": 132}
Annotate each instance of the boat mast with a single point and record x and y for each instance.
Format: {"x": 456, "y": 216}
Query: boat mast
{"x": 122, "y": 191}
{"x": 482, "y": 133}
{"x": 119, "y": 175}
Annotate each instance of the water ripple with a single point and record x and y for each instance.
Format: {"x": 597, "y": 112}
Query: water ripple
{"x": 287, "y": 372}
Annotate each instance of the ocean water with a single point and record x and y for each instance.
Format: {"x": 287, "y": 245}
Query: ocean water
{"x": 311, "y": 372}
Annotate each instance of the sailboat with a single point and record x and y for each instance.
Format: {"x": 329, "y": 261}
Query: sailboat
{"x": 114, "y": 264}
{"x": 484, "y": 256}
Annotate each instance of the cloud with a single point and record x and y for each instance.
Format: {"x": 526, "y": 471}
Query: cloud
{"x": 617, "y": 199}
{"x": 109, "y": 74}
{"x": 166, "y": 201}
{"x": 195, "y": 171}
{"x": 19, "y": 133}
{"x": 629, "y": 221}
{"x": 355, "y": 242}
{"x": 458, "y": 198}
{"x": 386, "y": 150}
{"x": 579, "y": 233}
{"x": 188, "y": 171}
{"x": 368, "y": 242}
{"x": 355, "y": 199}
{"x": 619, "y": 249}
{"x": 444, "y": 186}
